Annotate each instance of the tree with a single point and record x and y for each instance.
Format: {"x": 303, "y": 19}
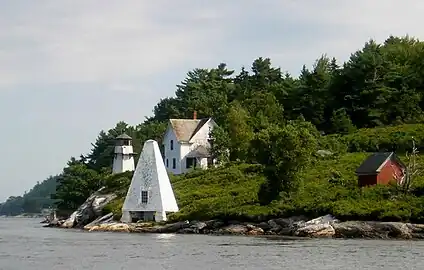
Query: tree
{"x": 411, "y": 171}
{"x": 240, "y": 132}
{"x": 313, "y": 95}
{"x": 220, "y": 145}
{"x": 341, "y": 123}
{"x": 285, "y": 152}
{"x": 76, "y": 183}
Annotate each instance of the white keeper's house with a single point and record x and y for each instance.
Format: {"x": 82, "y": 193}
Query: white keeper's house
{"x": 186, "y": 144}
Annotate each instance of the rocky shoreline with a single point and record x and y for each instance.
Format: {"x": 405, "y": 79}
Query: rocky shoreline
{"x": 89, "y": 217}
{"x": 322, "y": 227}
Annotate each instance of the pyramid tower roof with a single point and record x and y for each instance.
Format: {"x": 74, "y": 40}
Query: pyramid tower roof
{"x": 150, "y": 175}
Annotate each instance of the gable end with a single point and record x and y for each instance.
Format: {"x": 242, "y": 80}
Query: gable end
{"x": 374, "y": 163}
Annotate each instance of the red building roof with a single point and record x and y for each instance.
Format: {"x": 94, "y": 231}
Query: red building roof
{"x": 375, "y": 162}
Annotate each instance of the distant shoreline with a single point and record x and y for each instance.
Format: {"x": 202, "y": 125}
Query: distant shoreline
{"x": 25, "y": 216}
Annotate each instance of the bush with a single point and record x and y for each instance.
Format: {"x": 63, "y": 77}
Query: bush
{"x": 392, "y": 138}
{"x": 115, "y": 207}
{"x": 225, "y": 192}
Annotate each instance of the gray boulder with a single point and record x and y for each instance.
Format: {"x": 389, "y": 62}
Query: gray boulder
{"x": 100, "y": 220}
{"x": 318, "y": 227}
{"x": 382, "y": 230}
{"x": 90, "y": 210}
{"x": 234, "y": 229}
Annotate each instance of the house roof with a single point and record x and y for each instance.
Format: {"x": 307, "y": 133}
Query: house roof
{"x": 200, "y": 151}
{"x": 185, "y": 129}
{"x": 374, "y": 162}
{"x": 123, "y": 136}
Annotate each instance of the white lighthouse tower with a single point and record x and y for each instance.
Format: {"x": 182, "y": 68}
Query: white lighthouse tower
{"x": 124, "y": 156}
{"x": 150, "y": 195}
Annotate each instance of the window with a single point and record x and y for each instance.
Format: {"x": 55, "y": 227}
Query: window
{"x": 144, "y": 196}
{"x": 126, "y": 142}
{"x": 172, "y": 144}
{"x": 191, "y": 162}
{"x": 210, "y": 133}
{"x": 167, "y": 163}
{"x": 174, "y": 163}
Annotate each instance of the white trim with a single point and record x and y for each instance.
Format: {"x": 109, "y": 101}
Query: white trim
{"x": 209, "y": 120}
{"x": 384, "y": 163}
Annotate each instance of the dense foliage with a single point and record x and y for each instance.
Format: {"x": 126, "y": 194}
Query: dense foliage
{"x": 273, "y": 125}
{"x": 329, "y": 186}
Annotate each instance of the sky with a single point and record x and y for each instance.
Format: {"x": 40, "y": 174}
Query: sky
{"x": 71, "y": 68}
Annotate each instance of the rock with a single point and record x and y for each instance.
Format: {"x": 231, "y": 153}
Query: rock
{"x": 46, "y": 220}
{"x": 250, "y": 227}
{"x": 264, "y": 226}
{"x": 70, "y": 222}
{"x": 151, "y": 229}
{"x": 92, "y": 208}
{"x": 89, "y": 211}
{"x": 233, "y": 222}
{"x": 197, "y": 226}
{"x": 353, "y": 229}
{"x": 316, "y": 230}
{"x": 101, "y": 220}
{"x": 214, "y": 224}
{"x": 393, "y": 229}
{"x": 371, "y": 229}
{"x": 234, "y": 229}
{"x": 253, "y": 230}
{"x": 173, "y": 227}
{"x": 288, "y": 222}
{"x": 416, "y": 230}
{"x": 287, "y": 226}
{"x": 257, "y": 231}
{"x": 188, "y": 231}
{"x": 318, "y": 227}
{"x": 275, "y": 228}
{"x": 324, "y": 219}
{"x": 325, "y": 226}
{"x": 112, "y": 227}
{"x": 54, "y": 223}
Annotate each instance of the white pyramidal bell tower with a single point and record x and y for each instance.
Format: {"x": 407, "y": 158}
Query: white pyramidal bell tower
{"x": 150, "y": 194}
{"x": 124, "y": 156}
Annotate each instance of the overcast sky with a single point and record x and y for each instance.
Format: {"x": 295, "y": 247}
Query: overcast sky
{"x": 69, "y": 69}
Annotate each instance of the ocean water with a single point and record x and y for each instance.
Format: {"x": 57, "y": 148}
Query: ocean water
{"x": 25, "y": 245}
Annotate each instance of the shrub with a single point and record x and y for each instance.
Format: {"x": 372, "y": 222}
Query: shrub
{"x": 392, "y": 138}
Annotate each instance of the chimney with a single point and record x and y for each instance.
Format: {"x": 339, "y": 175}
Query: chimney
{"x": 194, "y": 115}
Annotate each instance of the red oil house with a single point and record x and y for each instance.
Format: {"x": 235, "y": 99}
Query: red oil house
{"x": 380, "y": 168}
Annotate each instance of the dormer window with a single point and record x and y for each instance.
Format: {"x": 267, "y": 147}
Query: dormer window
{"x": 172, "y": 144}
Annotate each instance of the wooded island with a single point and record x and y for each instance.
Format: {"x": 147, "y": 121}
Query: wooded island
{"x": 294, "y": 143}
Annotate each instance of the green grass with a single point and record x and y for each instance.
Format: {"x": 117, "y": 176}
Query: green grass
{"x": 329, "y": 187}
{"x": 229, "y": 192}
{"x": 341, "y": 197}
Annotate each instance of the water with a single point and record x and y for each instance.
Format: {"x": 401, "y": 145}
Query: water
{"x": 24, "y": 245}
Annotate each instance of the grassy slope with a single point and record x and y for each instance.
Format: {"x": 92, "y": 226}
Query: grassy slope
{"x": 219, "y": 193}
{"x": 329, "y": 186}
